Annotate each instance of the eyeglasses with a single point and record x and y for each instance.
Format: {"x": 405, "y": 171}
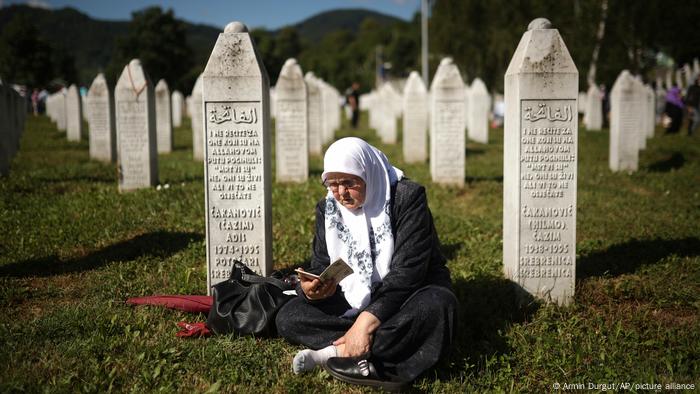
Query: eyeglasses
{"x": 335, "y": 185}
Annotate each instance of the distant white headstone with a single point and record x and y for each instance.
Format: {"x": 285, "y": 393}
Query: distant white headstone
{"x": 478, "y": 115}
{"x": 236, "y": 97}
{"x": 650, "y": 111}
{"x": 100, "y": 105}
{"x": 197, "y": 117}
{"x": 624, "y": 124}
{"x": 315, "y": 117}
{"x": 291, "y": 125}
{"x": 136, "y": 128}
{"x": 74, "y": 114}
{"x": 164, "y": 125}
{"x": 582, "y": 102}
{"x": 540, "y": 165}
{"x": 177, "y": 101}
{"x": 593, "y": 117}
{"x": 415, "y": 120}
{"x": 447, "y": 144}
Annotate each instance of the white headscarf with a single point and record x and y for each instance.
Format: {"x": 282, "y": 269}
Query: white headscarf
{"x": 362, "y": 237}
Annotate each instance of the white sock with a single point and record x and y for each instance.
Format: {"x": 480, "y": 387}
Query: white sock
{"x": 308, "y": 359}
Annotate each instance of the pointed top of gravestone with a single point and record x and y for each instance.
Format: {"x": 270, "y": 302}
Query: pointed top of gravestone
{"x": 235, "y": 27}
{"x": 539, "y": 23}
{"x": 289, "y": 62}
{"x": 446, "y": 61}
{"x": 414, "y": 84}
{"x": 162, "y": 85}
{"x": 135, "y": 63}
{"x": 541, "y": 51}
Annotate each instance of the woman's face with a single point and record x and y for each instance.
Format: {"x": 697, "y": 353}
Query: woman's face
{"x": 349, "y": 190}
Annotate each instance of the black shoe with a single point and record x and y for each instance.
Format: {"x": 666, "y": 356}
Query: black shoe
{"x": 360, "y": 371}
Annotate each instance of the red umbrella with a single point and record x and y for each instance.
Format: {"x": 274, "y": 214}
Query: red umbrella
{"x": 187, "y": 303}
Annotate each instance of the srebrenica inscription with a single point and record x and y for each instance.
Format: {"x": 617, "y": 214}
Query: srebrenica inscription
{"x": 540, "y": 165}
{"x": 235, "y": 92}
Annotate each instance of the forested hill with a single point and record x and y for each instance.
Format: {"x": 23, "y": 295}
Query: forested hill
{"x": 316, "y": 27}
{"x": 91, "y": 43}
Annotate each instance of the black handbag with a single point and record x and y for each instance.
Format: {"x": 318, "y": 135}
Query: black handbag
{"x": 247, "y": 303}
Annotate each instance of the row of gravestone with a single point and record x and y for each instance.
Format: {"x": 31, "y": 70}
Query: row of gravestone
{"x": 13, "y": 110}
{"x": 68, "y": 110}
{"x": 540, "y": 151}
{"x": 540, "y": 155}
{"x": 682, "y": 77}
{"x": 446, "y": 110}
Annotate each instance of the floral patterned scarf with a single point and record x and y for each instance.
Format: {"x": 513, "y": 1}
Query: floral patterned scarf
{"x": 362, "y": 237}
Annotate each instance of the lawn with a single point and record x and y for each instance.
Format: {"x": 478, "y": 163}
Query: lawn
{"x": 73, "y": 250}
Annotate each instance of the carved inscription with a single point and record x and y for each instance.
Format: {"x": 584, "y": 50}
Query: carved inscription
{"x": 548, "y": 153}
{"x": 291, "y": 144}
{"x": 234, "y": 186}
{"x": 134, "y": 161}
{"x": 98, "y": 107}
{"x": 449, "y": 140}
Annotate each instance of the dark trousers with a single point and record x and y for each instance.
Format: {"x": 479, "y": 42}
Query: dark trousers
{"x": 355, "y": 118}
{"x": 403, "y": 347}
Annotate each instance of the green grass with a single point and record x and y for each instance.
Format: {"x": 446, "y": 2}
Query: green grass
{"x": 73, "y": 249}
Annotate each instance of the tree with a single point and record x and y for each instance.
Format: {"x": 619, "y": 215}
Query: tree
{"x": 24, "y": 57}
{"x": 158, "y": 39}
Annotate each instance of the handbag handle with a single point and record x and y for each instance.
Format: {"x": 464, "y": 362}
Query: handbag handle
{"x": 260, "y": 279}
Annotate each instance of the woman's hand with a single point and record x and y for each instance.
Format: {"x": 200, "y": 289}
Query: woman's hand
{"x": 358, "y": 339}
{"x": 315, "y": 289}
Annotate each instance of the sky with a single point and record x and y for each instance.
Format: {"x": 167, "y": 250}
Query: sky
{"x": 269, "y": 14}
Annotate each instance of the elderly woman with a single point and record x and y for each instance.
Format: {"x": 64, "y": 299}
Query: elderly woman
{"x": 394, "y": 317}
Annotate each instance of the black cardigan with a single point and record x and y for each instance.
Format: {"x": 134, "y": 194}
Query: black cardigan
{"x": 417, "y": 260}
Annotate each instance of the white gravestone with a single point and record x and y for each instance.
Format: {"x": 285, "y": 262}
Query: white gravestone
{"x": 315, "y": 119}
{"x": 236, "y": 94}
{"x": 74, "y": 114}
{"x": 177, "y": 100}
{"x": 415, "y": 120}
{"x": 447, "y": 141}
{"x": 100, "y": 106}
{"x": 386, "y": 115}
{"x": 624, "y": 124}
{"x": 651, "y": 110}
{"x": 478, "y": 115}
{"x": 164, "y": 123}
{"x": 593, "y": 116}
{"x": 197, "y": 118}
{"x": 640, "y": 103}
{"x": 137, "y": 154}
{"x": 540, "y": 165}
{"x": 291, "y": 125}
{"x": 582, "y": 101}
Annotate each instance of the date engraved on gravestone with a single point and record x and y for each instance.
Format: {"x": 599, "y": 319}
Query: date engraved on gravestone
{"x": 234, "y": 186}
{"x": 548, "y": 189}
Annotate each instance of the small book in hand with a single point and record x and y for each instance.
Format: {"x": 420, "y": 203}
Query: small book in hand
{"x": 335, "y": 272}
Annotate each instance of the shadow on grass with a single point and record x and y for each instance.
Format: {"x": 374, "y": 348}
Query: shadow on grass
{"x": 450, "y": 250}
{"x": 627, "y": 257}
{"x": 471, "y": 179}
{"x": 159, "y": 244}
{"x": 469, "y": 151}
{"x": 676, "y": 161}
{"x": 488, "y": 305}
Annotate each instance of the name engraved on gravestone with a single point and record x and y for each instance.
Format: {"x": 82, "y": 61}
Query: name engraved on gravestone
{"x": 291, "y": 145}
{"x": 547, "y": 194}
{"x": 235, "y": 185}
